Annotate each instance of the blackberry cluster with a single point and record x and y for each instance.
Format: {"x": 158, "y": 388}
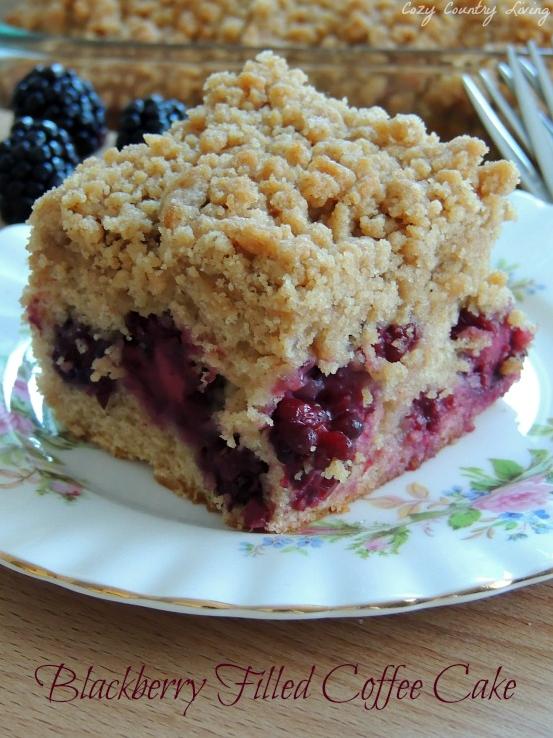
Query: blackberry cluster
{"x": 152, "y": 114}
{"x": 59, "y": 94}
{"x": 37, "y": 156}
{"x": 60, "y": 119}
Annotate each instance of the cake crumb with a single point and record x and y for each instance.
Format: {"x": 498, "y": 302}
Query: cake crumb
{"x": 511, "y": 365}
{"x": 336, "y": 470}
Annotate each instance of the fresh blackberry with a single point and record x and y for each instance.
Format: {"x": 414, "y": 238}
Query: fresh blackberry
{"x": 37, "y": 156}
{"x": 59, "y": 94}
{"x": 151, "y": 114}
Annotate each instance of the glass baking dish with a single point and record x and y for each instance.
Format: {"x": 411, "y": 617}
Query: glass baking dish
{"x": 426, "y": 82}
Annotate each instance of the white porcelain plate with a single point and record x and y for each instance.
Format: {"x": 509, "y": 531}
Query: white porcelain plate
{"x": 476, "y": 520}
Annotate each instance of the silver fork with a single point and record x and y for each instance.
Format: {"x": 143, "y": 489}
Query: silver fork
{"x": 525, "y": 136}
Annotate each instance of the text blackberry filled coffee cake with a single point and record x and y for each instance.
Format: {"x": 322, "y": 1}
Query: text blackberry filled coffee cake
{"x": 279, "y": 305}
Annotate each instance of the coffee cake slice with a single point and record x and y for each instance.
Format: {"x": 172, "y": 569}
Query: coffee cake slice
{"x": 280, "y": 304}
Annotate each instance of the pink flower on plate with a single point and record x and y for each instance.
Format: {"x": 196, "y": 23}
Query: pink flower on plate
{"x": 528, "y": 494}
{"x": 66, "y": 489}
{"x": 376, "y": 544}
{"x": 14, "y": 422}
{"x": 21, "y": 390}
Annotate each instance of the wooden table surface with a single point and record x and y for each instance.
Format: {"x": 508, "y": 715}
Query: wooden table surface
{"x": 41, "y": 625}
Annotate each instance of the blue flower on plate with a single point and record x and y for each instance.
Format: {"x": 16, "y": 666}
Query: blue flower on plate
{"x": 467, "y": 494}
{"x": 311, "y": 541}
{"x": 517, "y": 536}
{"x": 250, "y": 549}
{"x": 277, "y": 541}
{"x": 511, "y": 516}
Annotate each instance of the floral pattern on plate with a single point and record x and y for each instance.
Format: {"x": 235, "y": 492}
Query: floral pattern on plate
{"x": 27, "y": 449}
{"x": 512, "y": 501}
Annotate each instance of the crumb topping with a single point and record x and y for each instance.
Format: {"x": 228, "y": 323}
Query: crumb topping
{"x": 278, "y": 226}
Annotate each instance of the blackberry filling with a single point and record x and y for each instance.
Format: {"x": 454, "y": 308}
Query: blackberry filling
{"x": 396, "y": 340}
{"x": 322, "y": 420}
{"x": 34, "y": 313}
{"x": 478, "y": 388}
{"x": 75, "y": 350}
{"x": 504, "y": 341}
{"x": 317, "y": 423}
{"x": 164, "y": 371}
{"x": 313, "y": 425}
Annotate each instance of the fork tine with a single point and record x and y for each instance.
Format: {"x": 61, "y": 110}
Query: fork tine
{"x": 545, "y": 80}
{"x": 504, "y": 141}
{"x": 529, "y": 72}
{"x": 537, "y": 133}
{"x": 507, "y": 111}
{"x": 507, "y": 76}
{"x": 548, "y": 124}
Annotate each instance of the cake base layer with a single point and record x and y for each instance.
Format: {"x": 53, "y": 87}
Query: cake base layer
{"x": 126, "y": 431}
{"x": 326, "y": 439}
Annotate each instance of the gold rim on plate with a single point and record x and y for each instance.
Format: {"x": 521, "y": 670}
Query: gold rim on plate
{"x": 411, "y": 603}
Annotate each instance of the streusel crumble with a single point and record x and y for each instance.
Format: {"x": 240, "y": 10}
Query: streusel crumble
{"x": 281, "y": 303}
